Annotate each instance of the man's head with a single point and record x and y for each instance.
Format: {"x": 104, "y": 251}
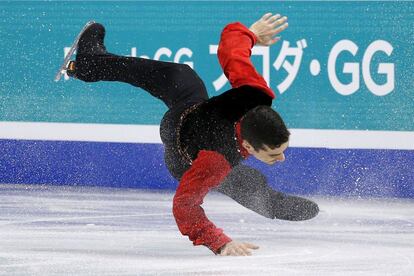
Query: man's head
{"x": 264, "y": 134}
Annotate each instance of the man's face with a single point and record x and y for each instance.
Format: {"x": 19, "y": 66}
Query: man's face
{"x": 267, "y": 155}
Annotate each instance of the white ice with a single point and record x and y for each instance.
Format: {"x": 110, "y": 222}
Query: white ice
{"x": 47, "y": 230}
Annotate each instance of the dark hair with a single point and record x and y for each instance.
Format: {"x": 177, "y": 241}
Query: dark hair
{"x": 263, "y": 126}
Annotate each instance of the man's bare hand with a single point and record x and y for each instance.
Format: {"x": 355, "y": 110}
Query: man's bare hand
{"x": 267, "y": 27}
{"x": 235, "y": 248}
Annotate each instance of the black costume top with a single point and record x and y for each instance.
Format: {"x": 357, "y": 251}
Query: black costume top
{"x": 211, "y": 125}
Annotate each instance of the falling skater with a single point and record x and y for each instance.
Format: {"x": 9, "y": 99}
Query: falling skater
{"x": 206, "y": 138}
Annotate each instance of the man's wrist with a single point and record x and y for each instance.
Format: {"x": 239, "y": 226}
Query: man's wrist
{"x": 255, "y": 37}
{"x": 221, "y": 248}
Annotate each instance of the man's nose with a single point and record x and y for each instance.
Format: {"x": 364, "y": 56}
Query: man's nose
{"x": 281, "y": 158}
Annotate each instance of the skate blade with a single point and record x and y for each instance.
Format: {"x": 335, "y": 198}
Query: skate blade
{"x": 72, "y": 49}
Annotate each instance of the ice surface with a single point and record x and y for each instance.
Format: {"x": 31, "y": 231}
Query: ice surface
{"x": 46, "y": 230}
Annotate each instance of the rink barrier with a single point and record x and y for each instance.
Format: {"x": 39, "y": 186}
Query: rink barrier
{"x": 96, "y": 156}
{"x": 314, "y": 138}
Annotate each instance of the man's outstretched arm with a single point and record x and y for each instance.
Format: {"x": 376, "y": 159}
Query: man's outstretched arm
{"x": 235, "y": 50}
{"x": 207, "y": 172}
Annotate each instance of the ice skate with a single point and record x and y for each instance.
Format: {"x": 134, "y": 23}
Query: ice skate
{"x": 90, "y": 47}
{"x": 89, "y": 42}
{"x": 63, "y": 68}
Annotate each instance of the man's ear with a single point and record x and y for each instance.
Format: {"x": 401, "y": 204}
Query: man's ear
{"x": 247, "y": 146}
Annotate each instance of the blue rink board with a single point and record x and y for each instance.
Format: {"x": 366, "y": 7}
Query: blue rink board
{"x": 316, "y": 171}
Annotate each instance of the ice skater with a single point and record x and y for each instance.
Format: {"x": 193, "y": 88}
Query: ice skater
{"x": 206, "y": 138}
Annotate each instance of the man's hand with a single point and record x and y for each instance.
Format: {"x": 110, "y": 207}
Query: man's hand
{"x": 235, "y": 248}
{"x": 267, "y": 27}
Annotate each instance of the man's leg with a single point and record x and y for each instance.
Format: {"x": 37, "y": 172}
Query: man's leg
{"x": 173, "y": 83}
{"x": 177, "y": 85}
{"x": 249, "y": 187}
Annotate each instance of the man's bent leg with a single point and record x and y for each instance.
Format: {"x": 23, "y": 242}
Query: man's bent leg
{"x": 293, "y": 208}
{"x": 249, "y": 187}
{"x": 171, "y": 82}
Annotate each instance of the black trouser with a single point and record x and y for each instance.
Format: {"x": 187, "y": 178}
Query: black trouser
{"x": 179, "y": 87}
{"x": 250, "y": 188}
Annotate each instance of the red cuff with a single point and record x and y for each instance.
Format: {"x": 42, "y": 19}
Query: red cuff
{"x": 234, "y": 53}
{"x": 237, "y": 26}
{"x": 221, "y": 241}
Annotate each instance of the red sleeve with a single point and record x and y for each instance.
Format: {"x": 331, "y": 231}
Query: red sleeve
{"x": 206, "y": 172}
{"x": 234, "y": 53}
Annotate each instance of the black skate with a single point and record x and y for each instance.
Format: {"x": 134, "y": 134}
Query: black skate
{"x": 89, "y": 42}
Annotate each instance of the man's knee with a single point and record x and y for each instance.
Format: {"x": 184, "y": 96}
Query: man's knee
{"x": 179, "y": 71}
{"x": 295, "y": 208}
{"x": 310, "y": 210}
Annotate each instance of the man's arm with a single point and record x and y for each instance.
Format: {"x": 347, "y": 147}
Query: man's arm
{"x": 235, "y": 50}
{"x": 206, "y": 172}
